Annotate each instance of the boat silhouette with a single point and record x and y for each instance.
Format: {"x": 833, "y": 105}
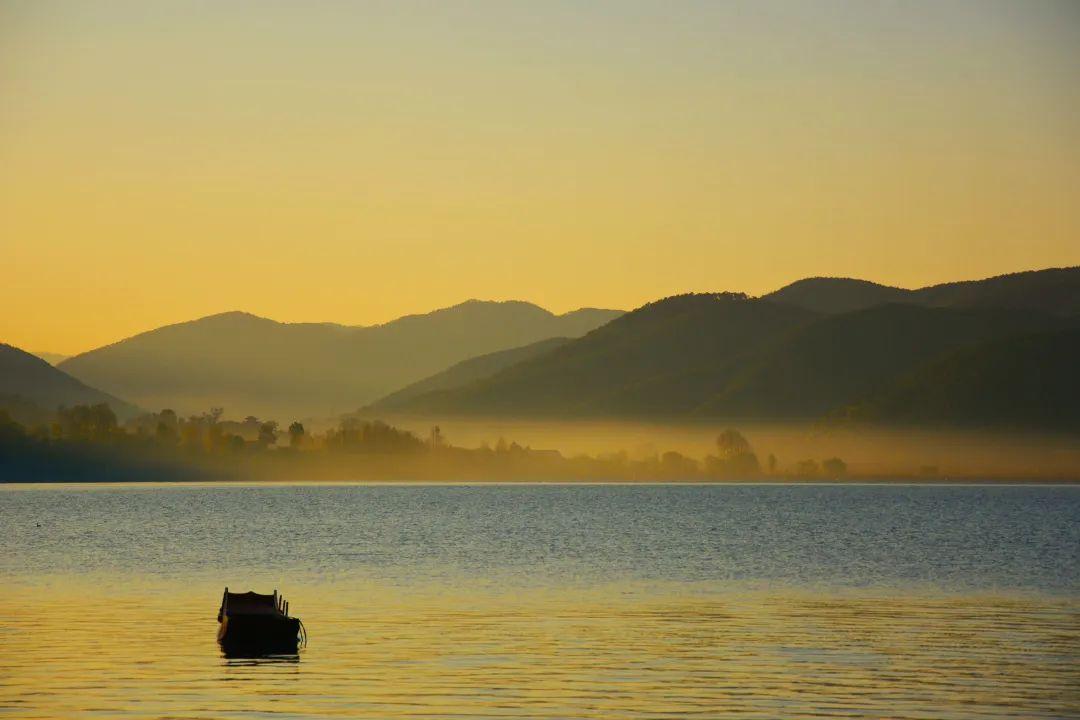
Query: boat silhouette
{"x": 252, "y": 625}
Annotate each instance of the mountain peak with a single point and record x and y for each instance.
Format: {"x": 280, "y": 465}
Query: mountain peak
{"x": 825, "y": 281}
{"x": 836, "y": 294}
{"x": 233, "y": 316}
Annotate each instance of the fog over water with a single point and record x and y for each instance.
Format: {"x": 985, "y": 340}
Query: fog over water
{"x": 868, "y": 451}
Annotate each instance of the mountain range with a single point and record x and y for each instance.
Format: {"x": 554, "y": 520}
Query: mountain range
{"x": 818, "y": 348}
{"x": 253, "y": 365}
{"x": 996, "y": 351}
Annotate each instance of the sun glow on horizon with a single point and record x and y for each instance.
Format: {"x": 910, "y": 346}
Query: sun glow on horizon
{"x": 355, "y": 163}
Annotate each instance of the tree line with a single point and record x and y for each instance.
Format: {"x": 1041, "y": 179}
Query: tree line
{"x": 85, "y": 439}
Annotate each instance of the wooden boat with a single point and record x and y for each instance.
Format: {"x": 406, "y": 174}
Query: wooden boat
{"x": 258, "y": 624}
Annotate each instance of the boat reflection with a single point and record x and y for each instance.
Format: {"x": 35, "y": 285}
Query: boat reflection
{"x": 238, "y": 659}
{"x": 288, "y": 651}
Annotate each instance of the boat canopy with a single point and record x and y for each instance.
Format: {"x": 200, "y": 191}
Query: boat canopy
{"x": 249, "y": 603}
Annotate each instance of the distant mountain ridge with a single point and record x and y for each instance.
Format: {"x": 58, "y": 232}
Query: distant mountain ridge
{"x": 1054, "y": 290}
{"x": 250, "y": 364}
{"x": 794, "y": 354}
{"x": 819, "y": 347}
{"x": 31, "y": 388}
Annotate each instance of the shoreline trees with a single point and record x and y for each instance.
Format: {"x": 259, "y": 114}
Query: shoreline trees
{"x": 87, "y": 442}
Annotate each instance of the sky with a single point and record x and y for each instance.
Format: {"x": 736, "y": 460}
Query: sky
{"x": 357, "y": 161}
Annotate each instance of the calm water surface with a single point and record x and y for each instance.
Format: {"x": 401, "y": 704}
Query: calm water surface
{"x": 546, "y": 601}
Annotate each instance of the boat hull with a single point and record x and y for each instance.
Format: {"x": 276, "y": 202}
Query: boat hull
{"x": 259, "y": 634}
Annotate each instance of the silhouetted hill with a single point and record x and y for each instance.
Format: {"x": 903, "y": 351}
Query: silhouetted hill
{"x": 1054, "y": 290}
{"x": 468, "y": 371}
{"x": 28, "y": 382}
{"x": 660, "y": 359}
{"x": 837, "y": 295}
{"x": 802, "y": 352}
{"x": 1027, "y": 381}
{"x": 730, "y": 357}
{"x": 839, "y": 359}
{"x": 254, "y": 365}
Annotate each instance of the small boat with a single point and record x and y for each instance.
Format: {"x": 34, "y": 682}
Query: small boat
{"x": 258, "y": 624}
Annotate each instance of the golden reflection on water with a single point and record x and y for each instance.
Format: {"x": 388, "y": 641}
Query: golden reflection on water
{"x": 86, "y": 650}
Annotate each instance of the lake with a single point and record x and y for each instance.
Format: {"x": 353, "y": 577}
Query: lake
{"x": 553, "y": 601}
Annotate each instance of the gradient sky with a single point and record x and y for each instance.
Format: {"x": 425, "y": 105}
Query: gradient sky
{"x": 354, "y": 162}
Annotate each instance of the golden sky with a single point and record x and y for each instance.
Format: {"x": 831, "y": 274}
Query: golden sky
{"x": 353, "y": 162}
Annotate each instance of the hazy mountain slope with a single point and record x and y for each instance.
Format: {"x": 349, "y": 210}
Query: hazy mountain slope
{"x": 660, "y": 359}
{"x": 837, "y": 295}
{"x": 838, "y": 360}
{"x": 1054, "y": 290}
{"x": 468, "y": 371}
{"x": 1028, "y": 381}
{"x": 253, "y": 365}
{"x": 26, "y": 378}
